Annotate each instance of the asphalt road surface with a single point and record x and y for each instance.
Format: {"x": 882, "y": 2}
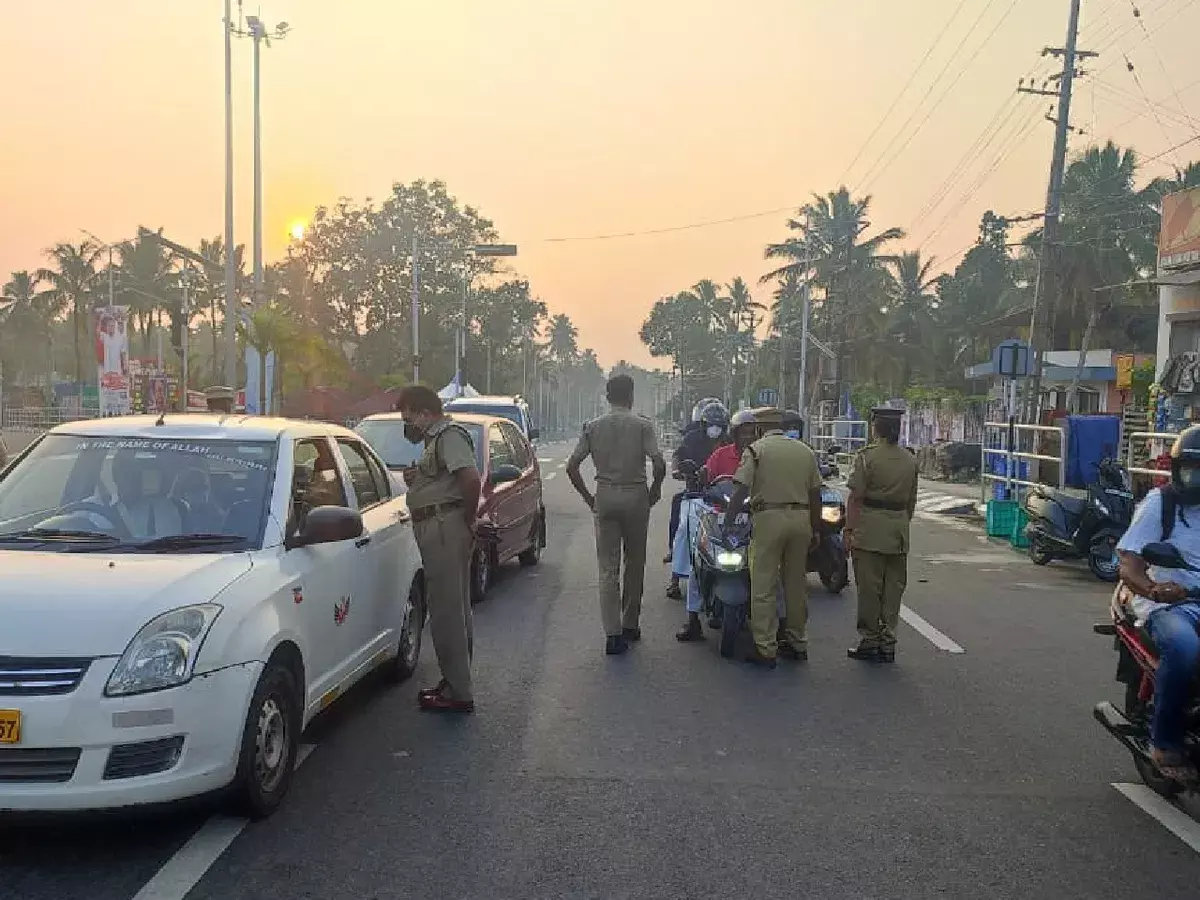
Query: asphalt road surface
{"x": 972, "y": 768}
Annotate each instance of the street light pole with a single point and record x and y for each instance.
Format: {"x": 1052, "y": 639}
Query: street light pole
{"x": 256, "y": 32}
{"x": 185, "y": 280}
{"x": 230, "y": 269}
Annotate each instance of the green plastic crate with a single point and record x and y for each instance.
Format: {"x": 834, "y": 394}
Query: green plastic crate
{"x": 1018, "y": 538}
{"x": 1001, "y": 517}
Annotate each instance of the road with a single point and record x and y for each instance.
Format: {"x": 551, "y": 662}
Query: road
{"x": 970, "y": 768}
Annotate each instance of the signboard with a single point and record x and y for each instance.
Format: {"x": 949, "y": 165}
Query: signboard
{"x": 768, "y": 396}
{"x": 253, "y": 406}
{"x": 1011, "y": 359}
{"x": 197, "y": 401}
{"x": 110, "y": 330}
{"x": 1179, "y": 234}
{"x": 1124, "y": 366}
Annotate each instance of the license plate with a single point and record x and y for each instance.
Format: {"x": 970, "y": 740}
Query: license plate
{"x": 10, "y": 726}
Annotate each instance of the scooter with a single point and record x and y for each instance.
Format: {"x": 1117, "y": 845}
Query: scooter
{"x": 1065, "y": 527}
{"x": 720, "y": 560}
{"x": 1137, "y": 661}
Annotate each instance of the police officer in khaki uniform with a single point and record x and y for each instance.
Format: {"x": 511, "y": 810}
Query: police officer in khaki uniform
{"x": 619, "y": 444}
{"x": 883, "y": 496}
{"x": 782, "y": 480}
{"x": 443, "y": 498}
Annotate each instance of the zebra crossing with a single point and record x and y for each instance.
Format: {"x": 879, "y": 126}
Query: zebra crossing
{"x": 939, "y": 503}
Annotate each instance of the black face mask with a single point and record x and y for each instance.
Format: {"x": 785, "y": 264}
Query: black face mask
{"x": 412, "y": 433}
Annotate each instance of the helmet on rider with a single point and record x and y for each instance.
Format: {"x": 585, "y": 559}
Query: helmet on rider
{"x": 701, "y": 406}
{"x": 1185, "y": 466}
{"x": 715, "y": 418}
{"x": 744, "y": 428}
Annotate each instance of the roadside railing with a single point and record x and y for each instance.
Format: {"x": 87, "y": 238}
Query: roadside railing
{"x": 39, "y": 418}
{"x": 1158, "y": 441}
{"x": 1005, "y": 441}
{"x": 850, "y": 434}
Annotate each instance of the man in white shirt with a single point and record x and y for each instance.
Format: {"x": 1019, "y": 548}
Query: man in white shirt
{"x": 1161, "y": 603}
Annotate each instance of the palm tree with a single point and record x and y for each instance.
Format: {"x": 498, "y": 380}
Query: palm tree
{"x": 740, "y": 313}
{"x": 911, "y": 308}
{"x": 212, "y": 289}
{"x": 28, "y": 315}
{"x": 829, "y": 252}
{"x": 268, "y": 330}
{"x": 72, "y": 281}
{"x": 563, "y": 337}
{"x": 145, "y": 283}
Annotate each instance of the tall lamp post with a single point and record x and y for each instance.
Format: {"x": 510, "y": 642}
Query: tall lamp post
{"x": 230, "y": 269}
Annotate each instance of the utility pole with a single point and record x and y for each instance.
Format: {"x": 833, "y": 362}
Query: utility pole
{"x": 230, "y": 270}
{"x": 802, "y": 387}
{"x": 185, "y": 282}
{"x": 416, "y": 311}
{"x": 1046, "y": 268}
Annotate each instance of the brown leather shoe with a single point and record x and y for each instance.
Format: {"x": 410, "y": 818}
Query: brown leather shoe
{"x": 787, "y": 651}
{"x": 433, "y": 691}
{"x": 864, "y": 654}
{"x": 757, "y": 659}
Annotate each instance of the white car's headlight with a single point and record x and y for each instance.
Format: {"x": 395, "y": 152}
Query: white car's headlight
{"x": 163, "y": 654}
{"x": 730, "y": 559}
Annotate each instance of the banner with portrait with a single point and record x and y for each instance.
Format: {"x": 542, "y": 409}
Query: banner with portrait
{"x": 111, "y": 337}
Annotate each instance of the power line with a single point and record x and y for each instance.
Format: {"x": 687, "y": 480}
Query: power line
{"x": 1145, "y": 96}
{"x": 904, "y": 90}
{"x": 929, "y": 91}
{"x": 1170, "y": 82}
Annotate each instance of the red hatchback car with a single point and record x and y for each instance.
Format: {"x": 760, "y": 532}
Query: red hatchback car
{"x": 512, "y": 514}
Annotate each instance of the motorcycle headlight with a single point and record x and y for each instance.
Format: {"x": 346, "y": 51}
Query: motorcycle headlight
{"x": 730, "y": 559}
{"x": 831, "y": 514}
{"x": 163, "y": 654}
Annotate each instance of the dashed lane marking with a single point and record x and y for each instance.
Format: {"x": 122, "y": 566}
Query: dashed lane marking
{"x": 1168, "y": 815}
{"x": 927, "y": 631}
{"x": 545, "y": 459}
{"x": 549, "y": 476}
{"x": 183, "y": 871}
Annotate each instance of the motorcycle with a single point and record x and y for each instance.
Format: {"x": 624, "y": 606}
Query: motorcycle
{"x": 1137, "y": 661}
{"x": 720, "y": 560}
{"x": 1065, "y": 527}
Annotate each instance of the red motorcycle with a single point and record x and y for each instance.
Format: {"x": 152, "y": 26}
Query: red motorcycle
{"x": 1137, "y": 661}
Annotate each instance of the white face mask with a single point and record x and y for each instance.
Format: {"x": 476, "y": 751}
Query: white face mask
{"x": 714, "y": 431}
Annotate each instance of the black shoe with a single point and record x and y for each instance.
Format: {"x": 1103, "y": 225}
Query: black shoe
{"x": 690, "y": 632}
{"x": 715, "y": 623}
{"x": 787, "y": 651}
{"x": 757, "y": 659}
{"x": 616, "y": 645}
{"x": 887, "y": 654}
{"x": 631, "y": 635}
{"x": 864, "y": 654}
{"x": 667, "y": 559}
{"x": 674, "y": 592}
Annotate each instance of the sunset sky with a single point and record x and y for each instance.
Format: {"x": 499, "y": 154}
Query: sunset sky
{"x": 566, "y": 120}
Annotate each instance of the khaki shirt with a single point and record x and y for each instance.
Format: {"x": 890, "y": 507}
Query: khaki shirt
{"x": 776, "y": 469}
{"x": 447, "y": 450}
{"x": 619, "y": 444}
{"x": 887, "y": 473}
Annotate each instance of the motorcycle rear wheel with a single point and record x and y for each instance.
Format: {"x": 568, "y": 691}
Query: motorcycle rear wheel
{"x": 836, "y": 576}
{"x": 1102, "y": 555}
{"x": 1039, "y": 556}
{"x": 1139, "y": 713}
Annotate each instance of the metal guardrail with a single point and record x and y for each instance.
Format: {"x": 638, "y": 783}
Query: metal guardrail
{"x": 39, "y": 418}
{"x": 1013, "y": 455}
{"x": 820, "y": 439}
{"x": 1148, "y": 436}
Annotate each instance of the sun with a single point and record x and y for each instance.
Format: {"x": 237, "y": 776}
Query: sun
{"x": 297, "y": 230}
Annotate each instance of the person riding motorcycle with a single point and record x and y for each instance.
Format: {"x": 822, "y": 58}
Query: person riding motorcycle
{"x": 710, "y": 419}
{"x": 722, "y": 462}
{"x": 1160, "y": 603}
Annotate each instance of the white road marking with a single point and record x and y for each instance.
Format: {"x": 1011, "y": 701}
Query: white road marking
{"x": 545, "y": 459}
{"x": 931, "y": 634}
{"x": 1169, "y": 816}
{"x": 549, "y": 476}
{"x": 562, "y": 465}
{"x": 183, "y": 871}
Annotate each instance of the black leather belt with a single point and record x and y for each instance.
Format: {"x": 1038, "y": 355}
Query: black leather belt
{"x": 422, "y": 513}
{"x": 760, "y": 507}
{"x": 873, "y": 503}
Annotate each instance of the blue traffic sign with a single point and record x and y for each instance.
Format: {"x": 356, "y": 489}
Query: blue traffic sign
{"x": 768, "y": 396}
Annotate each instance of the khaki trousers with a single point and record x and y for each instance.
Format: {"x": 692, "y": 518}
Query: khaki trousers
{"x": 779, "y": 548}
{"x": 622, "y": 521}
{"x": 446, "y": 545}
{"x": 880, "y": 579}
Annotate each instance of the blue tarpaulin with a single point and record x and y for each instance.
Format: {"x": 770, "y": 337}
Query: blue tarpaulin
{"x": 1089, "y": 440}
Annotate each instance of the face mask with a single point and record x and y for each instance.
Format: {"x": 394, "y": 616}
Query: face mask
{"x": 714, "y": 431}
{"x": 412, "y": 433}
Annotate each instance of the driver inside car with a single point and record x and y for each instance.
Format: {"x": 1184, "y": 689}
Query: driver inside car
{"x": 1160, "y": 602}
{"x": 141, "y": 503}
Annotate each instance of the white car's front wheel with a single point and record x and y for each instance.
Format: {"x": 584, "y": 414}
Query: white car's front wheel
{"x": 270, "y": 740}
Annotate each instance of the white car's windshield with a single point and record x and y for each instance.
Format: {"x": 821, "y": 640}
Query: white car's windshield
{"x": 386, "y": 437}
{"x": 135, "y": 492}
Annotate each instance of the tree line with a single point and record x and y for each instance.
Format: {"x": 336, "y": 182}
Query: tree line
{"x": 337, "y": 309}
{"x": 887, "y": 323}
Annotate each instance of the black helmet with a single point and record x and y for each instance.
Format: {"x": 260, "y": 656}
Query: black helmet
{"x": 715, "y": 415}
{"x": 701, "y": 406}
{"x": 1185, "y": 465}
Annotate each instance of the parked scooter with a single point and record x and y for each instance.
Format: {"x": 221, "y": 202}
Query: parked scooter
{"x": 1136, "y": 664}
{"x": 1065, "y": 527}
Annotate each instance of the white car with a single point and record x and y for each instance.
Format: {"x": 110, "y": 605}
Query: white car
{"x": 181, "y": 596}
